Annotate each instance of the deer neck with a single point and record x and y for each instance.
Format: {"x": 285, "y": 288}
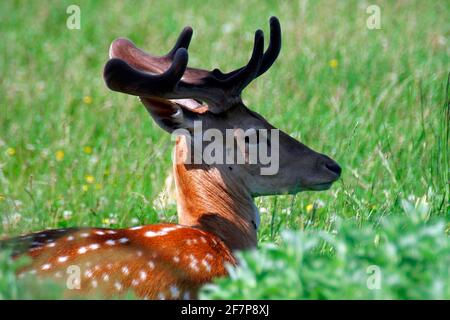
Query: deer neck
{"x": 214, "y": 201}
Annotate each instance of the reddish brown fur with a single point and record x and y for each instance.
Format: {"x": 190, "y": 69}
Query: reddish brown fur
{"x": 164, "y": 261}
{"x": 214, "y": 201}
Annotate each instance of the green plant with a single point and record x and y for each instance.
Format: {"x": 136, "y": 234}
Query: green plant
{"x": 406, "y": 257}
{"x": 28, "y": 287}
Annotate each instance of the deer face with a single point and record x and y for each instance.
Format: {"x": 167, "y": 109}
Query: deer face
{"x": 290, "y": 166}
{"x": 293, "y": 166}
{"x": 182, "y": 99}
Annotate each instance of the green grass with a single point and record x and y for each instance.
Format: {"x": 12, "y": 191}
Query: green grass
{"x": 407, "y": 258}
{"x": 381, "y": 113}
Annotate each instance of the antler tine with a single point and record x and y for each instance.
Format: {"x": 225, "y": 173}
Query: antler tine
{"x": 183, "y": 41}
{"x": 120, "y": 76}
{"x": 274, "y": 48}
{"x": 270, "y": 55}
{"x": 242, "y": 78}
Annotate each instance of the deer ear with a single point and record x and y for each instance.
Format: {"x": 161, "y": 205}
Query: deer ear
{"x": 169, "y": 115}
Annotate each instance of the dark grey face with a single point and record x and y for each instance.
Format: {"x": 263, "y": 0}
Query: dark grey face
{"x": 299, "y": 167}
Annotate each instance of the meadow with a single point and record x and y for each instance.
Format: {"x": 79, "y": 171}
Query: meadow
{"x": 73, "y": 153}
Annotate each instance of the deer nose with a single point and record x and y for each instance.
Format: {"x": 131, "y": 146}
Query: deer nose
{"x": 332, "y": 166}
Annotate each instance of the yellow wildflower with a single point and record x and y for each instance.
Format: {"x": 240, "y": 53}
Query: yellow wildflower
{"x": 2, "y": 197}
{"x": 59, "y": 155}
{"x": 85, "y": 188}
{"x": 10, "y": 151}
{"x": 333, "y": 63}
{"x": 309, "y": 208}
{"x": 89, "y": 179}
{"x": 87, "y": 150}
{"x": 87, "y": 99}
{"x": 98, "y": 186}
{"x": 109, "y": 221}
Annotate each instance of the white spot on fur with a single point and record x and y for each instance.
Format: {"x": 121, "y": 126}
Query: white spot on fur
{"x": 124, "y": 240}
{"x": 70, "y": 238}
{"x": 161, "y": 232}
{"x": 193, "y": 263}
{"x": 94, "y": 283}
{"x": 193, "y": 266}
{"x": 125, "y": 270}
{"x": 151, "y": 265}
{"x": 84, "y": 235}
{"x": 63, "y": 259}
{"x": 136, "y": 228}
{"x": 82, "y": 250}
{"x": 150, "y": 234}
{"x": 110, "y": 242}
{"x": 168, "y": 229}
{"x": 46, "y": 266}
{"x": 88, "y": 273}
{"x": 208, "y": 256}
{"x": 206, "y": 265}
{"x": 176, "y": 259}
{"x": 142, "y": 275}
{"x": 51, "y": 245}
{"x": 100, "y": 233}
{"x": 111, "y": 232}
{"x": 94, "y": 246}
{"x": 134, "y": 283}
{"x": 118, "y": 285}
{"x": 105, "y": 277}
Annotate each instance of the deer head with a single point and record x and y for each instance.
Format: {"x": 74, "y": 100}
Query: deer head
{"x": 179, "y": 97}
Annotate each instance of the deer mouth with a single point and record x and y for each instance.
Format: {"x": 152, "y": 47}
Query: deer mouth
{"x": 320, "y": 186}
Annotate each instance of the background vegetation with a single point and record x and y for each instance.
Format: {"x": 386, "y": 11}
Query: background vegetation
{"x": 73, "y": 153}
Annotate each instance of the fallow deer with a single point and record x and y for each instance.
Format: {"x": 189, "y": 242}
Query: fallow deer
{"x": 215, "y": 202}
